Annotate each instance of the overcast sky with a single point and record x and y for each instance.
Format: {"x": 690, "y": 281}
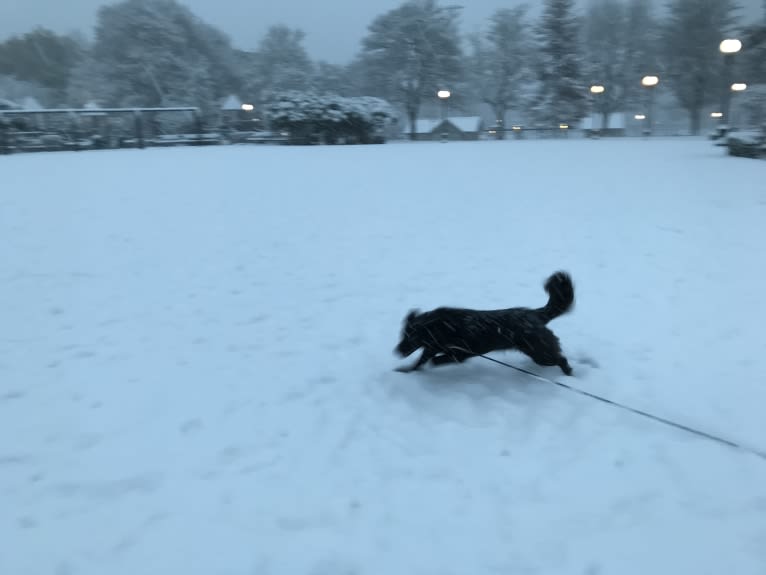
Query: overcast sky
{"x": 333, "y": 28}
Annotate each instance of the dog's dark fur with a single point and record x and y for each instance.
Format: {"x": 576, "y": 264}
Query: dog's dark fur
{"x": 452, "y": 335}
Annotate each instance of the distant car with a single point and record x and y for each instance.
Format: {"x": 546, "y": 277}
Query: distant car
{"x": 747, "y": 143}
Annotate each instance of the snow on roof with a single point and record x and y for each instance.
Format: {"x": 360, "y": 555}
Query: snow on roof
{"x": 30, "y": 103}
{"x": 466, "y": 123}
{"x": 8, "y": 105}
{"x": 462, "y": 123}
{"x": 231, "y": 103}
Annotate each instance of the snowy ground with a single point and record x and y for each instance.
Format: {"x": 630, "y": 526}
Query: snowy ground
{"x": 196, "y": 361}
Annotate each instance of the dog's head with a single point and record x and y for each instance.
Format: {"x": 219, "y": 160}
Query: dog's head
{"x": 411, "y": 338}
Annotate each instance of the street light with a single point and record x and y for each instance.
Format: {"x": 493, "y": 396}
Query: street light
{"x": 596, "y": 90}
{"x": 650, "y": 82}
{"x": 728, "y": 47}
{"x": 247, "y": 107}
{"x": 737, "y": 87}
{"x": 444, "y": 96}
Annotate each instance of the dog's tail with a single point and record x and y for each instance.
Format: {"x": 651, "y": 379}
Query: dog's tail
{"x": 560, "y": 296}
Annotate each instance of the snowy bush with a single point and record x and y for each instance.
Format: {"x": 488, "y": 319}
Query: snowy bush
{"x": 311, "y": 118}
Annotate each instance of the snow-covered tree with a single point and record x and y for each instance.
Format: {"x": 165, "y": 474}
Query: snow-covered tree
{"x": 562, "y": 92}
{"x": 641, "y": 41}
{"x": 156, "y": 53}
{"x": 411, "y": 52}
{"x": 331, "y": 79}
{"x": 500, "y": 64}
{"x": 309, "y": 116}
{"x": 41, "y": 58}
{"x": 606, "y": 53}
{"x": 752, "y": 65}
{"x": 691, "y": 36}
{"x": 279, "y": 64}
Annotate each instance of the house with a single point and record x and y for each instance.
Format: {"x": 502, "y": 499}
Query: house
{"x": 593, "y": 125}
{"x": 451, "y": 128}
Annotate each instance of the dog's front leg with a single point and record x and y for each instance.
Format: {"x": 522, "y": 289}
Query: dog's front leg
{"x": 424, "y": 357}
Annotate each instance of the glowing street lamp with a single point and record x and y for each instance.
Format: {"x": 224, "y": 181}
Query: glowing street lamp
{"x": 640, "y": 117}
{"x": 247, "y": 107}
{"x": 650, "y": 82}
{"x": 716, "y": 115}
{"x": 444, "y": 96}
{"x": 728, "y": 47}
{"x": 596, "y": 90}
{"x": 739, "y": 87}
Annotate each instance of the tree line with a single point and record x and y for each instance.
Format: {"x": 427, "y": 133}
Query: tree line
{"x": 158, "y": 53}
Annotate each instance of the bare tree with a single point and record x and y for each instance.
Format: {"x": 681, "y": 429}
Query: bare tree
{"x": 641, "y": 40}
{"x": 500, "y": 64}
{"x": 604, "y": 45}
{"x": 691, "y": 35}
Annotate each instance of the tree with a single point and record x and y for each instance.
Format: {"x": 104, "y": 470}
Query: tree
{"x": 691, "y": 36}
{"x": 499, "y": 63}
{"x": 562, "y": 93}
{"x": 411, "y": 52}
{"x": 606, "y": 55}
{"x": 641, "y": 38}
{"x": 156, "y": 53}
{"x": 280, "y": 64}
{"x": 310, "y": 117}
{"x": 331, "y": 79}
{"x": 41, "y": 57}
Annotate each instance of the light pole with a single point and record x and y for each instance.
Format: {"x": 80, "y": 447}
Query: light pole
{"x": 596, "y": 90}
{"x": 444, "y": 96}
{"x": 737, "y": 87}
{"x": 728, "y": 48}
{"x": 650, "y": 83}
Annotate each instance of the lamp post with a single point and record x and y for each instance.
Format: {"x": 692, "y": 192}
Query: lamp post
{"x": 737, "y": 87}
{"x": 596, "y": 90}
{"x": 444, "y": 96}
{"x": 728, "y": 48}
{"x": 650, "y": 83}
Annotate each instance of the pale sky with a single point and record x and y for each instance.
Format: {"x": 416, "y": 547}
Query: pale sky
{"x": 334, "y": 28}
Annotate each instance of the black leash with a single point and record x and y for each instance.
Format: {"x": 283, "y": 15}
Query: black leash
{"x": 640, "y": 412}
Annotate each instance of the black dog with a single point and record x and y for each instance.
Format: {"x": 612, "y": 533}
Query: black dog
{"x": 452, "y": 335}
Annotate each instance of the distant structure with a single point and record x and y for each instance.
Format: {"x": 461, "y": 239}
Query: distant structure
{"x": 464, "y": 128}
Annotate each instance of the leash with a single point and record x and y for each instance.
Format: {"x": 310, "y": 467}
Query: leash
{"x": 646, "y": 414}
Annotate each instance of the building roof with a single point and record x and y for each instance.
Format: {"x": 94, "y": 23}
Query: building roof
{"x": 231, "y": 103}
{"x": 462, "y": 123}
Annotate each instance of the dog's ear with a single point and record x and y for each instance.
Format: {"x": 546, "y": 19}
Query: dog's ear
{"x": 412, "y": 315}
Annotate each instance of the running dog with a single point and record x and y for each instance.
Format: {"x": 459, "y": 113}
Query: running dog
{"x": 453, "y": 335}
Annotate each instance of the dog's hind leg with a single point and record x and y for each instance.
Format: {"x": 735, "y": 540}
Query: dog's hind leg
{"x": 544, "y": 349}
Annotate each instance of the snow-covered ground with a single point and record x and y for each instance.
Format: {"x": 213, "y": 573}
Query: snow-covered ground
{"x": 196, "y": 368}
